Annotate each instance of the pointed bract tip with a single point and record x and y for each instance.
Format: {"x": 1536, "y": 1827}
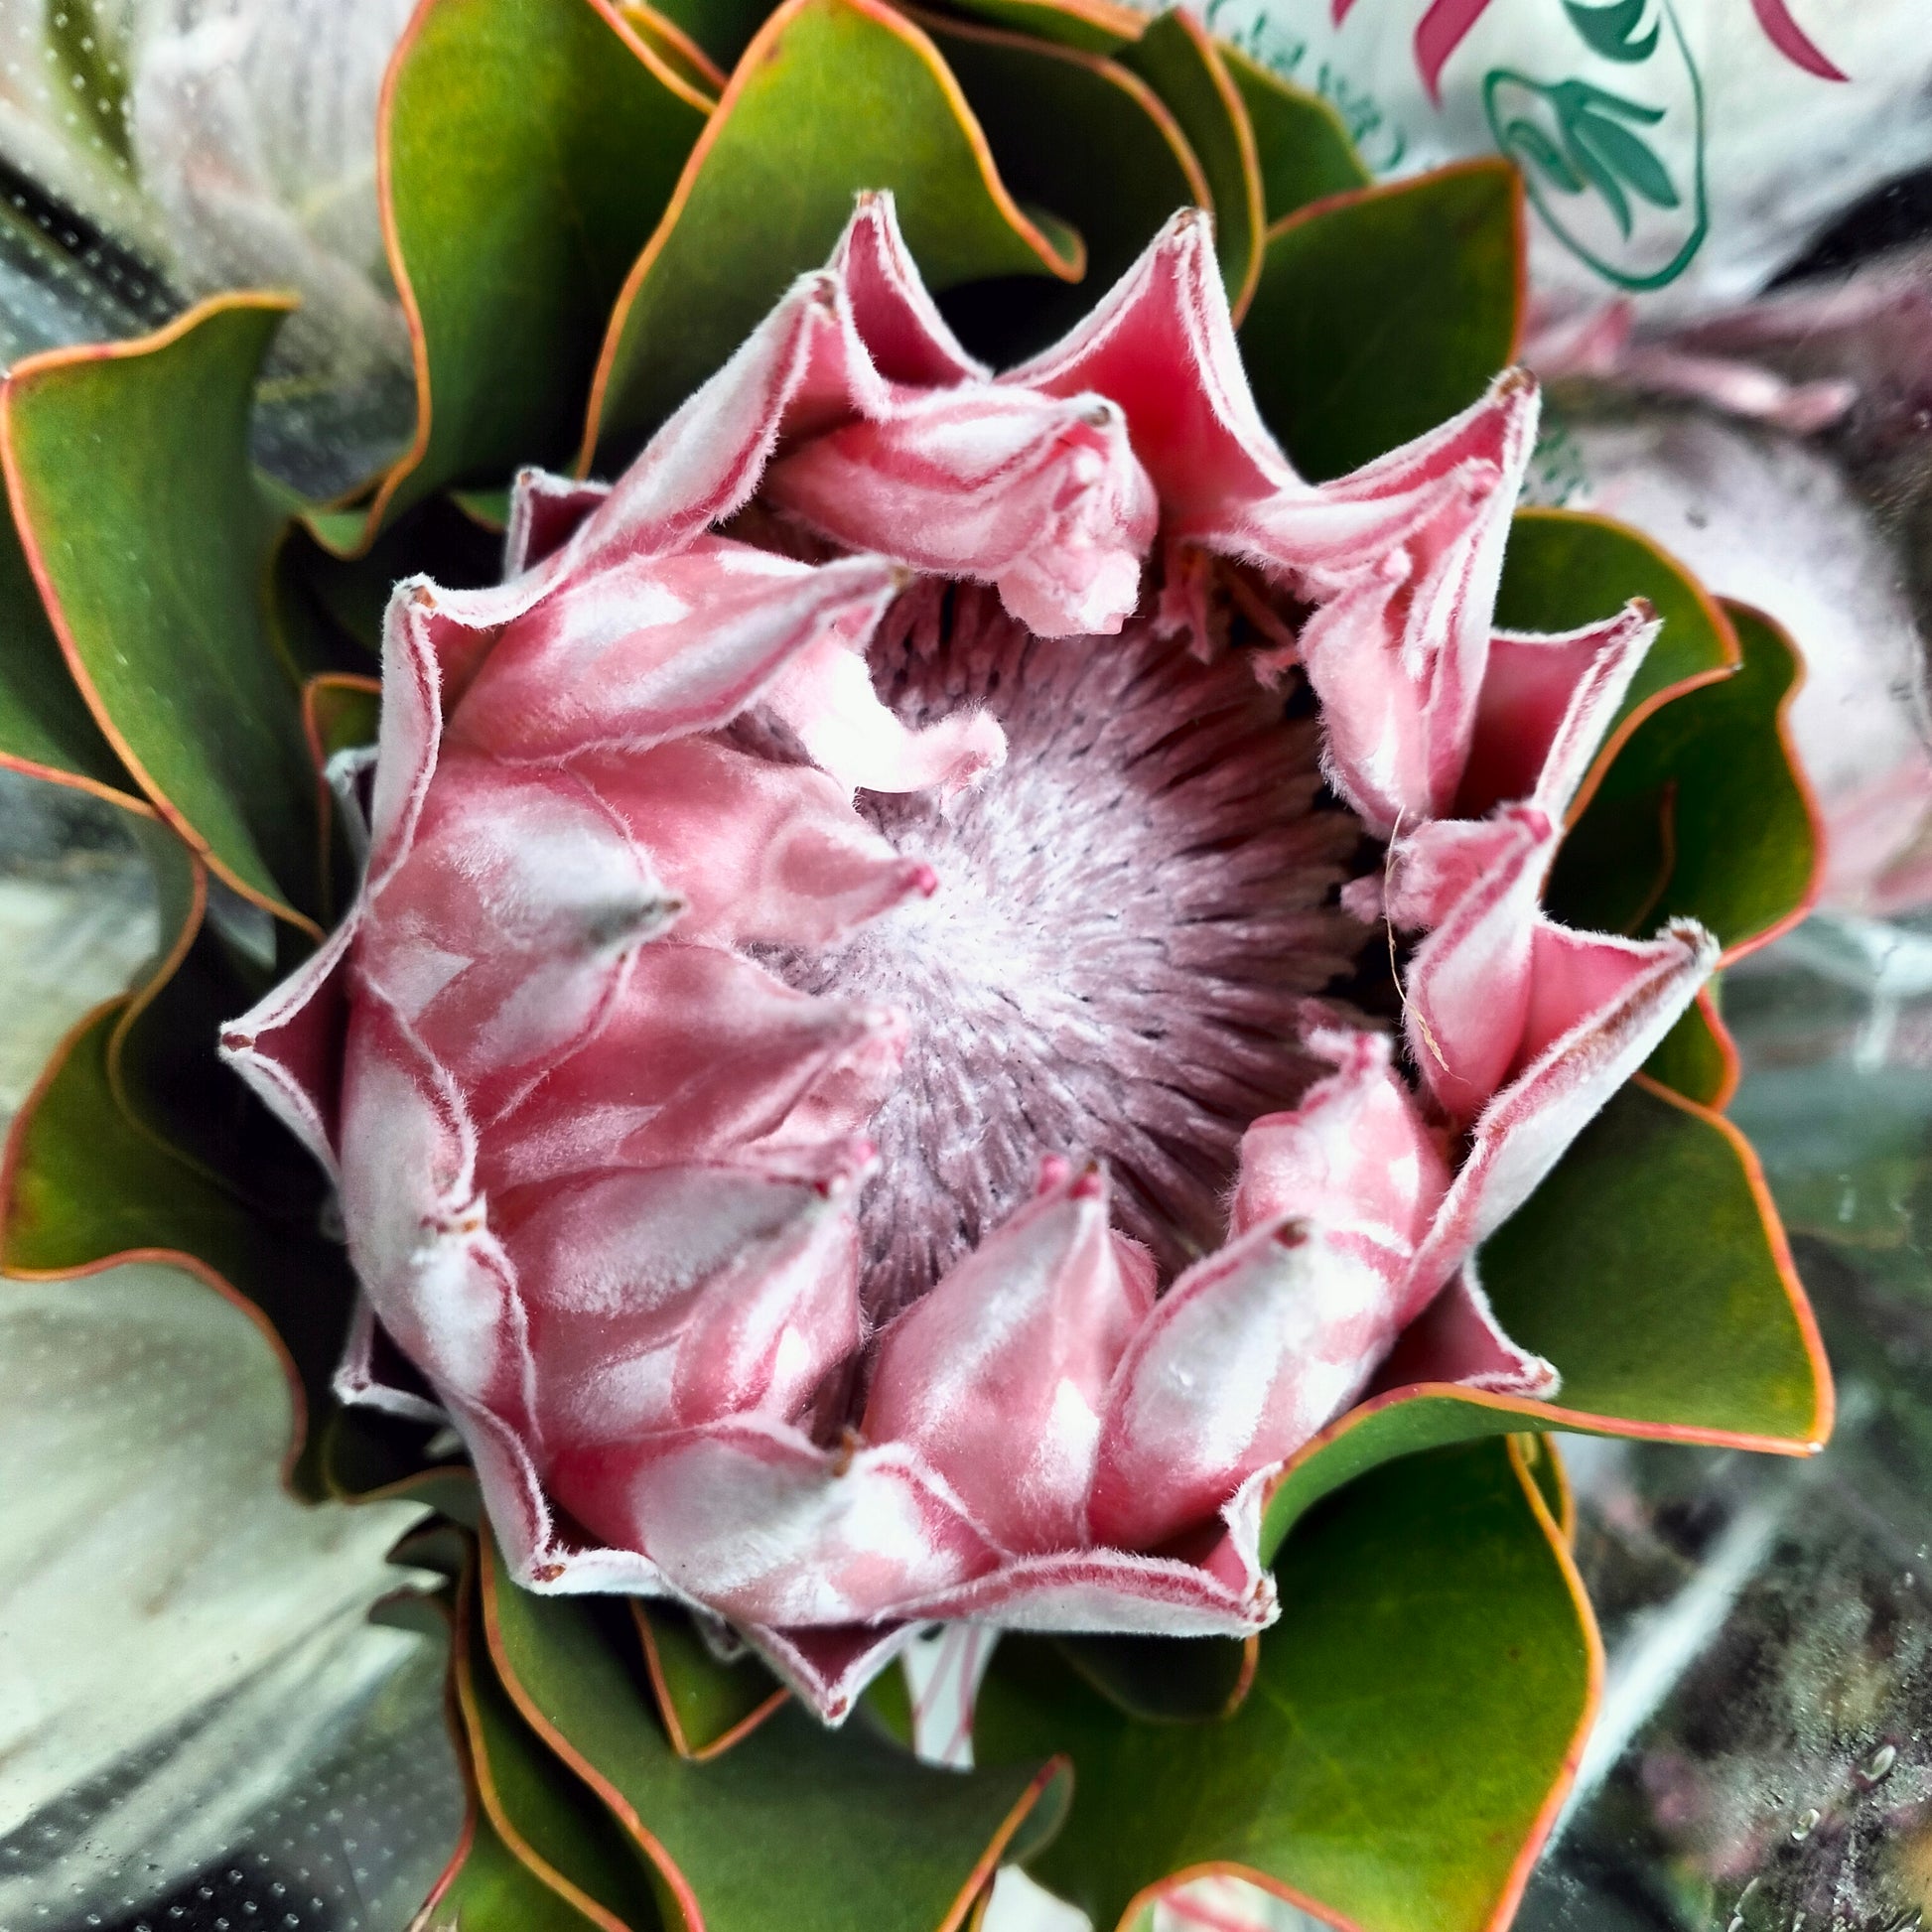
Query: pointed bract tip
{"x": 1696, "y": 938}
{"x": 1192, "y": 224}
{"x": 851, "y": 1444}
{"x": 1089, "y": 1184}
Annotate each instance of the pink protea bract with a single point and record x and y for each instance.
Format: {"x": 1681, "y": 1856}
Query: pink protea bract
{"x": 828, "y": 1073}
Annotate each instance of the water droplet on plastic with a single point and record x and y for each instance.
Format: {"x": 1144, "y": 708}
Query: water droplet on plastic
{"x": 1878, "y": 1762}
{"x": 1802, "y": 1829}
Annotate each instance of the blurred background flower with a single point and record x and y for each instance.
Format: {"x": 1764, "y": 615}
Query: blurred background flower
{"x": 153, "y": 151}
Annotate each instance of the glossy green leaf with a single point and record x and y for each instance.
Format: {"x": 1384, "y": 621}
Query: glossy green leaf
{"x": 163, "y": 1065}
{"x": 1411, "y": 1716}
{"x": 365, "y": 1451}
{"x": 1094, "y": 29}
{"x": 1613, "y": 866}
{"x": 1568, "y": 567}
{"x": 1696, "y": 1057}
{"x": 1176, "y": 57}
{"x": 1305, "y": 153}
{"x": 85, "y": 1186}
{"x": 1048, "y": 111}
{"x": 492, "y": 1891}
{"x": 723, "y": 28}
{"x": 676, "y": 46}
{"x": 1650, "y": 1268}
{"x": 344, "y": 712}
{"x": 1376, "y": 1434}
{"x": 46, "y": 727}
{"x": 1540, "y": 1460}
{"x": 537, "y": 1806}
{"x": 887, "y": 1701}
{"x": 337, "y": 601}
{"x": 850, "y": 1830}
{"x": 837, "y": 96}
{"x": 489, "y": 510}
{"x": 1713, "y": 771}
{"x": 1165, "y": 1680}
{"x": 531, "y": 146}
{"x": 128, "y": 469}
{"x": 1382, "y": 313}
{"x": 706, "y": 1703}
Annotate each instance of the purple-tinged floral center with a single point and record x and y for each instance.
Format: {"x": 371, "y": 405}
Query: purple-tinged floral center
{"x": 1129, "y": 914}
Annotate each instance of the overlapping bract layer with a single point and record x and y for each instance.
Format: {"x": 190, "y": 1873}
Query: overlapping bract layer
{"x": 602, "y": 1168}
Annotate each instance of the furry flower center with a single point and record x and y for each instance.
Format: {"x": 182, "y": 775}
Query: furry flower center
{"x": 1130, "y": 912}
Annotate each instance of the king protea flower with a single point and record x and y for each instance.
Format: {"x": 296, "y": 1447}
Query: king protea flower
{"x": 827, "y": 1072}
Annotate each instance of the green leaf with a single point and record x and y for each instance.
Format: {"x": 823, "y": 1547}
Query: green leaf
{"x": 1701, "y": 811}
{"x": 850, "y": 1830}
{"x": 1412, "y": 1715}
{"x": 161, "y": 1062}
{"x": 46, "y": 728}
{"x": 1697, "y": 1058}
{"x": 1167, "y": 1680}
{"x": 1540, "y": 1460}
{"x": 489, "y": 510}
{"x": 85, "y": 1186}
{"x": 1651, "y": 1270}
{"x": 834, "y": 97}
{"x": 1381, "y": 1432}
{"x": 1176, "y": 57}
{"x": 723, "y": 28}
{"x": 675, "y": 46}
{"x": 1094, "y": 29}
{"x": 344, "y": 713}
{"x": 1611, "y": 30}
{"x": 1306, "y": 153}
{"x": 366, "y": 1452}
{"x": 1568, "y": 567}
{"x": 1048, "y": 111}
{"x": 530, "y": 148}
{"x": 887, "y": 1701}
{"x": 331, "y": 598}
{"x": 1714, "y": 767}
{"x": 128, "y": 469}
{"x": 1380, "y": 313}
{"x": 706, "y": 1705}
{"x": 490, "y": 1889}
{"x": 538, "y": 1809}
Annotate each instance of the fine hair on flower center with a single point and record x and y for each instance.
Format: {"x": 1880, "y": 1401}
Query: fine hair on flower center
{"x": 1129, "y": 914}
